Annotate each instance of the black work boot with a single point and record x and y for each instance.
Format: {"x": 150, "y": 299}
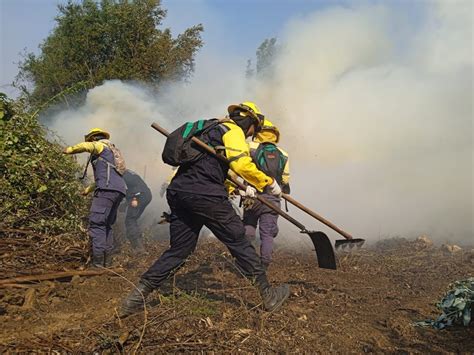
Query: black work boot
{"x": 108, "y": 259}
{"x": 272, "y": 296}
{"x": 98, "y": 260}
{"x": 138, "y": 247}
{"x": 134, "y": 301}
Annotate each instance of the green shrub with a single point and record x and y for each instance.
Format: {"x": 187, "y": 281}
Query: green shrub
{"x": 38, "y": 184}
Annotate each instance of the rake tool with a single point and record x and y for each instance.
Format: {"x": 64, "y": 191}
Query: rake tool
{"x": 322, "y": 245}
{"x": 349, "y": 240}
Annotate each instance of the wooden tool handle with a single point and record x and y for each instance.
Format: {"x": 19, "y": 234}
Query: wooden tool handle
{"x": 240, "y": 185}
{"x": 317, "y": 216}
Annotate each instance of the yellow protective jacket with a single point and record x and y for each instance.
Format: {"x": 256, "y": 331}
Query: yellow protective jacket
{"x": 90, "y": 147}
{"x": 238, "y": 153}
{"x": 87, "y": 147}
{"x": 207, "y": 175}
{"x": 102, "y": 159}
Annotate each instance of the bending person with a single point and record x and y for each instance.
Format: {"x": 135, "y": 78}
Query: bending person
{"x": 137, "y": 198}
{"x": 198, "y": 197}
{"x": 109, "y": 190}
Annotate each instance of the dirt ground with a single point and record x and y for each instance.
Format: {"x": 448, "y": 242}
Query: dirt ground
{"x": 368, "y": 305}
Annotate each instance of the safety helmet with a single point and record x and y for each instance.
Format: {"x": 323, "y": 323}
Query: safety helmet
{"x": 94, "y": 132}
{"x": 248, "y": 108}
{"x": 268, "y": 133}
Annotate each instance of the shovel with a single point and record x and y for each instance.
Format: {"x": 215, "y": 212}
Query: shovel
{"x": 322, "y": 245}
{"x": 350, "y": 241}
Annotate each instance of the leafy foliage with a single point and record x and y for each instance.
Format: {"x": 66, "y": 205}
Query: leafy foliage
{"x": 113, "y": 39}
{"x": 38, "y": 185}
{"x": 457, "y": 306}
{"x": 266, "y": 54}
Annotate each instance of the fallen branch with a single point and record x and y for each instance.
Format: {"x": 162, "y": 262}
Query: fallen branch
{"x": 53, "y": 276}
{"x": 20, "y": 231}
{"x": 16, "y": 286}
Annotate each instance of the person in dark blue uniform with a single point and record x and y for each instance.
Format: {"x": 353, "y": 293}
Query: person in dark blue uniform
{"x": 109, "y": 189}
{"x": 138, "y": 197}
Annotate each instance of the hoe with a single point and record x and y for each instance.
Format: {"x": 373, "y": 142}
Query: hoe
{"x": 349, "y": 241}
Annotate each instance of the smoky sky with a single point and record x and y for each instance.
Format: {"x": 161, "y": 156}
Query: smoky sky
{"x": 377, "y": 121}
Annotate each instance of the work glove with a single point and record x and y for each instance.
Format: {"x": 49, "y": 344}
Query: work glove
{"x": 274, "y": 188}
{"x": 248, "y": 203}
{"x": 88, "y": 190}
{"x": 249, "y": 192}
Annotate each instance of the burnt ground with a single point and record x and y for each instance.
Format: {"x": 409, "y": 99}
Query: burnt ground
{"x": 368, "y": 305}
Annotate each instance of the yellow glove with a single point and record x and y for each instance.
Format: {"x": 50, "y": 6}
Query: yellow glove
{"x": 88, "y": 189}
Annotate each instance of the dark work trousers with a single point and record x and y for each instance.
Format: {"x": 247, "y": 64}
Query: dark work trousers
{"x": 133, "y": 231}
{"x": 189, "y": 213}
{"x": 102, "y": 216}
{"x": 267, "y": 221}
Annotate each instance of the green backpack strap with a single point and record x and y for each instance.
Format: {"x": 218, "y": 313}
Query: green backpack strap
{"x": 192, "y": 128}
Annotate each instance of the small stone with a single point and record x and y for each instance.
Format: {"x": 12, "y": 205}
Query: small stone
{"x": 450, "y": 248}
{"x": 456, "y": 249}
{"x": 424, "y": 241}
{"x": 303, "y": 318}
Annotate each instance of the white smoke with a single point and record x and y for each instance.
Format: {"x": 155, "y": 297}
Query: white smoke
{"x": 377, "y": 122}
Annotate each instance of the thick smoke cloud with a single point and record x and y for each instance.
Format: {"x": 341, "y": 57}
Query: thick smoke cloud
{"x": 377, "y": 121}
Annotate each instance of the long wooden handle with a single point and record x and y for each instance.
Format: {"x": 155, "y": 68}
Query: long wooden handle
{"x": 317, "y": 216}
{"x": 241, "y": 186}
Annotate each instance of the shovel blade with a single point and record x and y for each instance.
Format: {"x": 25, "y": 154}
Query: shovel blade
{"x": 324, "y": 250}
{"x": 349, "y": 243}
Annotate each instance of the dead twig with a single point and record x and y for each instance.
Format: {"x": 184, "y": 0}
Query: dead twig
{"x": 52, "y": 276}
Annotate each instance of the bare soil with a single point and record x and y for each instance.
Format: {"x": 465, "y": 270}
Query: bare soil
{"x": 369, "y": 304}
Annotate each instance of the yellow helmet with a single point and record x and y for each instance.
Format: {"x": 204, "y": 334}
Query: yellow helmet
{"x": 95, "y": 131}
{"x": 268, "y": 133}
{"x": 248, "y": 108}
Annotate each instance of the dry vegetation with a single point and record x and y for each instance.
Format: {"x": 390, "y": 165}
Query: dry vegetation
{"x": 368, "y": 305}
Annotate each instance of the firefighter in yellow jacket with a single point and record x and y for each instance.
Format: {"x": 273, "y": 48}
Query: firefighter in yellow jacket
{"x": 274, "y": 162}
{"x": 109, "y": 189}
{"x": 198, "y": 197}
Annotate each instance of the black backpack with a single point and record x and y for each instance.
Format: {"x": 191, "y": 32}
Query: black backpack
{"x": 270, "y": 160}
{"x": 180, "y": 149}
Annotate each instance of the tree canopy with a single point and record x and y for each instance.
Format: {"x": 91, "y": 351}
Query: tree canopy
{"x": 265, "y": 55}
{"x": 111, "y": 39}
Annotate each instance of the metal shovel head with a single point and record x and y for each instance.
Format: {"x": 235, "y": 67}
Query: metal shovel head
{"x": 351, "y": 243}
{"x": 324, "y": 250}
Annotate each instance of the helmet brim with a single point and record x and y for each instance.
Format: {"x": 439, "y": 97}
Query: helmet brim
{"x": 232, "y": 108}
{"x": 89, "y": 136}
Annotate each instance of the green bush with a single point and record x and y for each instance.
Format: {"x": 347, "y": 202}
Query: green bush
{"x": 38, "y": 184}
